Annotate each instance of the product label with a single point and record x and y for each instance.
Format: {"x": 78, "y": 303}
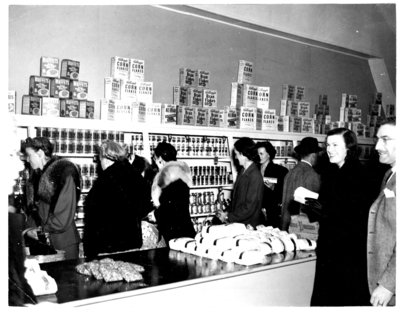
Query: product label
{"x": 49, "y": 67}
{"x": 69, "y": 108}
{"x": 31, "y": 105}
{"x": 70, "y": 69}
{"x": 39, "y": 86}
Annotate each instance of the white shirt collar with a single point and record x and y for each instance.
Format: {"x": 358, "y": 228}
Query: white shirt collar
{"x": 305, "y": 161}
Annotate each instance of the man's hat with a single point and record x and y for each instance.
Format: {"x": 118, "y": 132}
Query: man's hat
{"x": 307, "y": 146}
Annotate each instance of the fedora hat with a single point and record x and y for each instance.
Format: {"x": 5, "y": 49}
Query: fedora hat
{"x": 308, "y": 145}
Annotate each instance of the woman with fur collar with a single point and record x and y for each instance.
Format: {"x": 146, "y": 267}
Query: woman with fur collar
{"x": 170, "y": 194}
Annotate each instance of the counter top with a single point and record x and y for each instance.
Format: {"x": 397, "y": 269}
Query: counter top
{"x": 164, "y": 268}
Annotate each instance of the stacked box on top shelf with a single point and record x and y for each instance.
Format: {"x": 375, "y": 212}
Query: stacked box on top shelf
{"x": 229, "y": 117}
{"x": 266, "y": 120}
{"x": 168, "y": 113}
{"x": 11, "y": 101}
{"x": 322, "y": 117}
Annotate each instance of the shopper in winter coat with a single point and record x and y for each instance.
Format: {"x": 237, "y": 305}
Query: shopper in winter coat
{"x": 381, "y": 243}
{"x": 342, "y": 210}
{"x": 55, "y": 196}
{"x": 272, "y": 198}
{"x": 114, "y": 205}
{"x": 302, "y": 175}
{"x": 170, "y": 194}
{"x": 248, "y": 190}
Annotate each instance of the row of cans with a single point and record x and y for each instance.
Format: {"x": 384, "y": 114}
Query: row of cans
{"x": 208, "y": 170}
{"x": 80, "y": 134}
{"x": 210, "y": 180}
{"x": 200, "y": 209}
{"x": 87, "y": 170}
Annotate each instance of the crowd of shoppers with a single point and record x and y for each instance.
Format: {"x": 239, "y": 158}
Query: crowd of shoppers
{"x": 356, "y": 248}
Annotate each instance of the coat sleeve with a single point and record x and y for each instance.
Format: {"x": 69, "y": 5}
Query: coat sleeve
{"x": 388, "y": 279}
{"x": 250, "y": 196}
{"x": 64, "y": 211}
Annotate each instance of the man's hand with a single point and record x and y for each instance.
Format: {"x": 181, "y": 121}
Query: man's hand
{"x": 381, "y": 296}
{"x": 222, "y": 215}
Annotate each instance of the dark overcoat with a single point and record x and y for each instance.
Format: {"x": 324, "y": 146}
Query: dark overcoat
{"x": 341, "y": 268}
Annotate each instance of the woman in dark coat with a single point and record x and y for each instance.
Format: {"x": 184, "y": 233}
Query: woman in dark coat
{"x": 170, "y": 194}
{"x": 342, "y": 210}
{"x": 272, "y": 198}
{"x": 115, "y": 205}
{"x": 248, "y": 189}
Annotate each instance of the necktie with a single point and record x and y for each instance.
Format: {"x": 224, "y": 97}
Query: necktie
{"x": 389, "y": 174}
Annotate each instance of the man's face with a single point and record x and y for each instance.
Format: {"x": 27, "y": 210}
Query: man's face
{"x": 386, "y": 144}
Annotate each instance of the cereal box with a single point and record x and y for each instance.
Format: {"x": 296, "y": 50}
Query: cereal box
{"x": 31, "y": 105}
{"x": 180, "y": 95}
{"x": 283, "y": 108}
{"x": 51, "y": 107}
{"x": 70, "y": 69}
{"x": 293, "y": 109}
{"x": 194, "y": 97}
{"x": 295, "y": 124}
{"x": 69, "y": 108}
{"x": 288, "y": 92}
{"x": 299, "y": 93}
{"x": 263, "y": 97}
{"x": 138, "y": 112}
{"x": 136, "y": 70}
{"x": 229, "y": 117}
{"x": 266, "y": 119}
{"x": 247, "y": 95}
{"x": 234, "y": 94}
{"x": 120, "y": 67}
{"x": 49, "y": 67}
{"x": 153, "y": 113}
{"x": 168, "y": 113}
{"x": 87, "y": 109}
{"x": 12, "y": 101}
{"x": 186, "y": 116}
{"x": 203, "y": 78}
{"x": 282, "y": 123}
{"x": 59, "y": 88}
{"x": 307, "y": 125}
{"x": 245, "y": 72}
{"x": 128, "y": 90}
{"x": 122, "y": 110}
{"x": 39, "y": 86}
{"x": 78, "y": 89}
{"x": 247, "y": 118}
{"x": 188, "y": 77}
{"x": 304, "y": 109}
{"x": 145, "y": 92}
{"x": 201, "y": 117}
{"x": 214, "y": 117}
{"x": 210, "y": 98}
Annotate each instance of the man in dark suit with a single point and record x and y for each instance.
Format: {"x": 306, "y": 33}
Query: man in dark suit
{"x": 381, "y": 244}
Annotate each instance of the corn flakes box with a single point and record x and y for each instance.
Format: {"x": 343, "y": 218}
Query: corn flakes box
{"x": 136, "y": 70}
{"x": 120, "y": 67}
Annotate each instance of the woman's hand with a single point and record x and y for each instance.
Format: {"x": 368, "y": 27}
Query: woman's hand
{"x": 222, "y": 215}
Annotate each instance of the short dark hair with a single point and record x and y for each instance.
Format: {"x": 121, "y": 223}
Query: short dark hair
{"x": 38, "y": 143}
{"x": 166, "y": 151}
{"x": 247, "y": 147}
{"x": 269, "y": 148}
{"x": 350, "y": 139}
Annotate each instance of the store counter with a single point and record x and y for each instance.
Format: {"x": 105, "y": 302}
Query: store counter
{"x": 171, "y": 276}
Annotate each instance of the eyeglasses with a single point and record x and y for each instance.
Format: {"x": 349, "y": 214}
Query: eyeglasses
{"x": 384, "y": 140}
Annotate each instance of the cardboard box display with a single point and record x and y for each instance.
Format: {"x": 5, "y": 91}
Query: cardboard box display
{"x": 145, "y": 92}
{"x": 120, "y": 67}
{"x": 247, "y": 95}
{"x": 194, "y": 97}
{"x": 186, "y": 116}
{"x": 282, "y": 123}
{"x": 12, "y": 101}
{"x": 234, "y": 94}
{"x": 245, "y": 72}
{"x": 299, "y": 93}
{"x": 78, "y": 89}
{"x": 39, "y": 86}
{"x": 304, "y": 109}
{"x": 229, "y": 117}
{"x": 283, "y": 111}
{"x": 295, "y": 124}
{"x": 266, "y": 119}
{"x": 69, "y": 108}
{"x": 210, "y": 98}
{"x": 288, "y": 92}
{"x": 203, "y": 78}
{"x": 247, "y": 118}
{"x": 138, "y": 112}
{"x": 49, "y": 67}
{"x": 323, "y": 99}
{"x": 263, "y": 97}
{"x": 188, "y": 77}
{"x": 31, "y": 105}
{"x": 59, "y": 88}
{"x": 136, "y": 70}
{"x": 375, "y": 109}
{"x": 153, "y": 113}
{"x": 70, "y": 69}
{"x": 129, "y": 90}
{"x": 307, "y": 125}
{"x": 51, "y": 107}
{"x": 168, "y": 113}
{"x": 293, "y": 108}
{"x": 214, "y": 117}
{"x": 86, "y": 109}
{"x": 180, "y": 95}
{"x": 201, "y": 117}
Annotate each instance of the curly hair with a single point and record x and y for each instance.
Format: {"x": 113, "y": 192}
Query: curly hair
{"x": 38, "y": 143}
{"x": 269, "y": 148}
{"x": 112, "y": 151}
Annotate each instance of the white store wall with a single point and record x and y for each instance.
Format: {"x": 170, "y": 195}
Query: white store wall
{"x": 169, "y": 40}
